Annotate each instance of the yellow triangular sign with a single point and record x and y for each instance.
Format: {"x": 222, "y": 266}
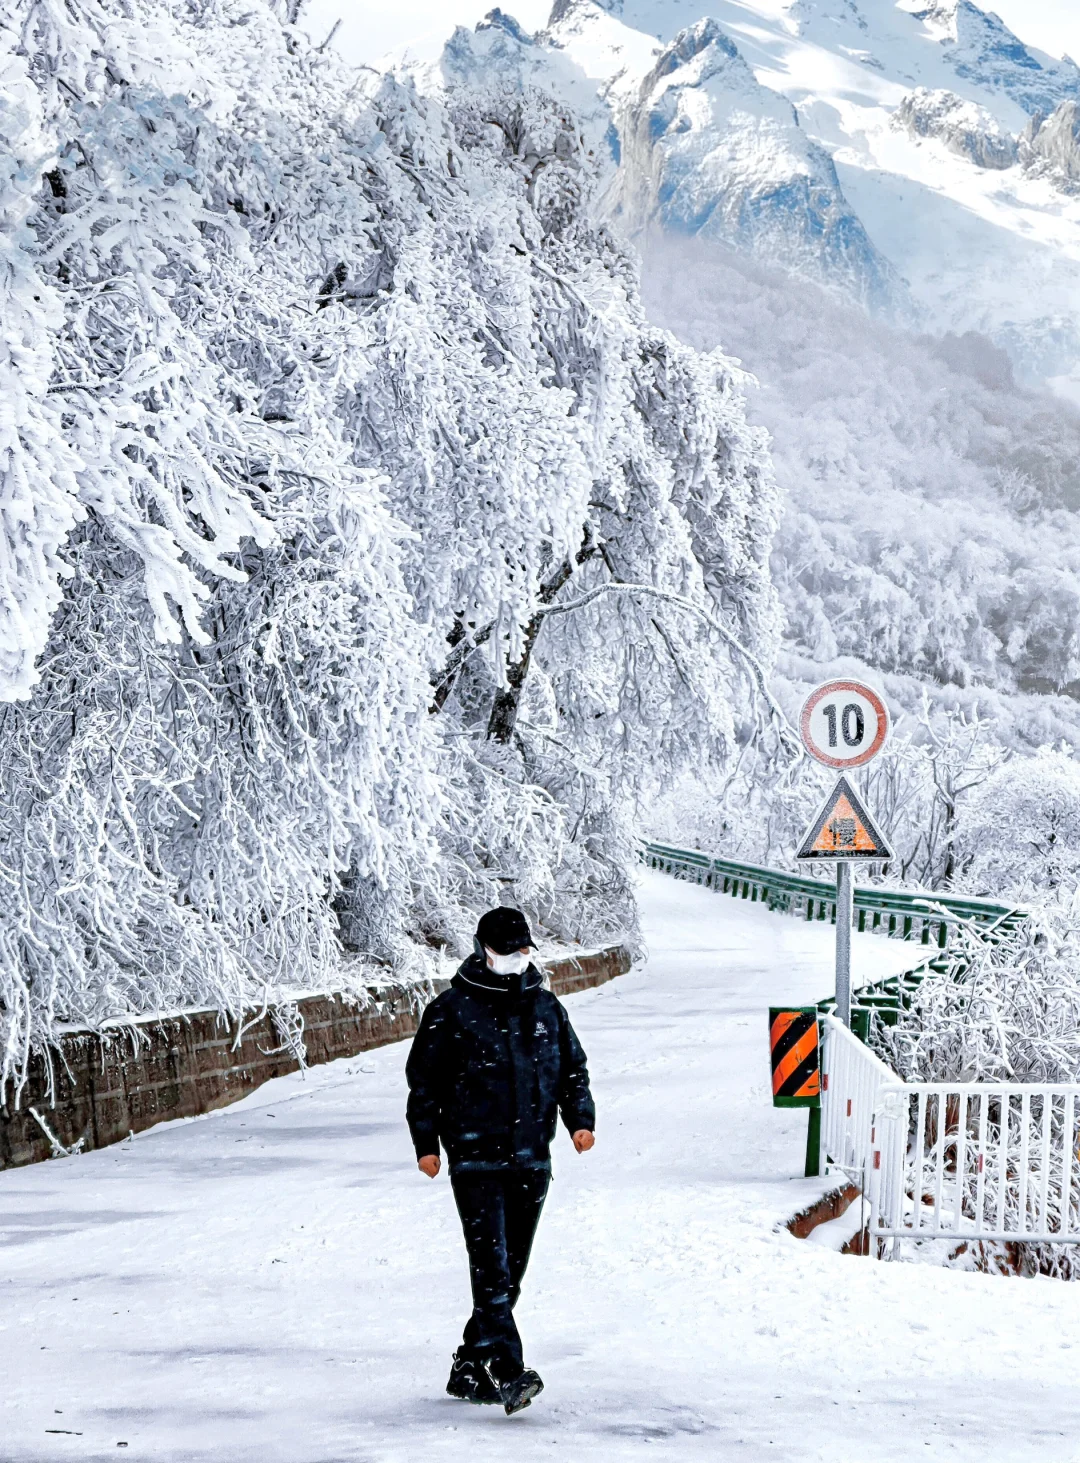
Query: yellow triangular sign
{"x": 844, "y": 829}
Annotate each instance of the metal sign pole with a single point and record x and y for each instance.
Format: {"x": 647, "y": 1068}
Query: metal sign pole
{"x": 845, "y": 909}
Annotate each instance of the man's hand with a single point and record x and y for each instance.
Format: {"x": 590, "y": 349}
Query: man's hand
{"x": 431, "y": 1163}
{"x": 583, "y": 1140}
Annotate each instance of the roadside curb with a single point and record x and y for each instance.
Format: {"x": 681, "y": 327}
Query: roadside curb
{"x": 830, "y": 1206}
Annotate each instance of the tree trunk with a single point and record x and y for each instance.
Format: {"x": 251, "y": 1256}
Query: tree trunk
{"x": 504, "y": 709}
{"x": 950, "y": 834}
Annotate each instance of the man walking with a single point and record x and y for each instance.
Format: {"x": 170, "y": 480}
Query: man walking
{"x": 494, "y": 1062}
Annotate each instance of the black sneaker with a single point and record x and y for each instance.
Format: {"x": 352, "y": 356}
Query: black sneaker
{"x": 519, "y": 1391}
{"x": 469, "y": 1380}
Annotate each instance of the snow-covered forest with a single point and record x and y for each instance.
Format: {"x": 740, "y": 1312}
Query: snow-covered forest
{"x": 932, "y": 522}
{"x": 366, "y": 553}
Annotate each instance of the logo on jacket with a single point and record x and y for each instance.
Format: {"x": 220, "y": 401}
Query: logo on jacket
{"x": 541, "y": 1029}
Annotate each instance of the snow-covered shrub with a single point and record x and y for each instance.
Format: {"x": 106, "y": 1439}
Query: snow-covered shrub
{"x": 1006, "y": 1009}
{"x": 1021, "y": 829}
{"x": 363, "y": 547}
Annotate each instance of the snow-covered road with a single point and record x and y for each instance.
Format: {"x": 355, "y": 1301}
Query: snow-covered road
{"x": 277, "y": 1284}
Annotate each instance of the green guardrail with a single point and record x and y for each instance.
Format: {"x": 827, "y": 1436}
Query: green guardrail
{"x": 926, "y": 917}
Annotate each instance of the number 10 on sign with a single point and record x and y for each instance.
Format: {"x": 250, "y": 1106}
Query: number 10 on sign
{"x": 844, "y": 724}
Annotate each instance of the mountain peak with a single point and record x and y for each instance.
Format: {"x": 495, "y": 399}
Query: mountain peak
{"x": 709, "y": 150}
{"x": 691, "y": 43}
{"x": 982, "y": 49}
{"x": 498, "y": 20}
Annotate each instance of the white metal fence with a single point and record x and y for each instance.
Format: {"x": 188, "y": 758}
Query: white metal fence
{"x": 976, "y": 1161}
{"x": 851, "y": 1078}
{"x": 959, "y": 1161}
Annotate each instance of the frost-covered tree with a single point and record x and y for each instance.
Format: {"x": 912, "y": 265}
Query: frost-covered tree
{"x": 217, "y": 727}
{"x": 38, "y": 489}
{"x": 597, "y": 608}
{"x": 923, "y": 786}
{"x": 362, "y": 545}
{"x": 1021, "y": 829}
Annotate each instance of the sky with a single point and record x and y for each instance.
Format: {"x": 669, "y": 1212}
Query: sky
{"x": 370, "y": 28}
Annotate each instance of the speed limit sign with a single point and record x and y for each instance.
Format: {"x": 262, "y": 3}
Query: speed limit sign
{"x": 844, "y": 724}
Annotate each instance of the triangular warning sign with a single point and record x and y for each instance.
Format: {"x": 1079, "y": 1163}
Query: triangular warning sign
{"x": 844, "y": 829}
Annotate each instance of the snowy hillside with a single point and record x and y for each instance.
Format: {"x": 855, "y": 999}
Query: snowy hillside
{"x": 921, "y": 160}
{"x": 932, "y": 526}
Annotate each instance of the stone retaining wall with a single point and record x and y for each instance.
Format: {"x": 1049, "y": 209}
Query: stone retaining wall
{"x": 115, "y": 1083}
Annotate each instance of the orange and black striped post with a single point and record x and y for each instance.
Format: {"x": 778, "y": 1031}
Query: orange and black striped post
{"x": 796, "y": 1070}
{"x": 793, "y": 1045}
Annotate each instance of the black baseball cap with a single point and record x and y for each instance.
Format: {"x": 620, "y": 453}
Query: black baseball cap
{"x": 504, "y": 931}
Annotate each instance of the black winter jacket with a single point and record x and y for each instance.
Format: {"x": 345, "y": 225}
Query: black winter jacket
{"x": 494, "y": 1058}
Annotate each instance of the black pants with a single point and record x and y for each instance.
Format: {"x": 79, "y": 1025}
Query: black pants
{"x": 499, "y": 1214}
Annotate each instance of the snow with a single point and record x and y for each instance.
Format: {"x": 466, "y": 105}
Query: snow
{"x": 276, "y": 1282}
{"x": 834, "y": 1234}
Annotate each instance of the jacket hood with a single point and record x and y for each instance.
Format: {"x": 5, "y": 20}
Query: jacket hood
{"x": 474, "y": 974}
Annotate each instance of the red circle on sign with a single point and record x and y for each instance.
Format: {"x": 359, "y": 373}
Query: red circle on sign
{"x": 831, "y": 688}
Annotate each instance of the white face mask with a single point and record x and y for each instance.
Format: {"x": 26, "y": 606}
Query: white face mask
{"x": 514, "y": 964}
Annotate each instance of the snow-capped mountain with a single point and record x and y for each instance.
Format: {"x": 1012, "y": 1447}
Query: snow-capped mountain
{"x": 921, "y": 159}
{"x": 981, "y": 49}
{"x": 708, "y": 150}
